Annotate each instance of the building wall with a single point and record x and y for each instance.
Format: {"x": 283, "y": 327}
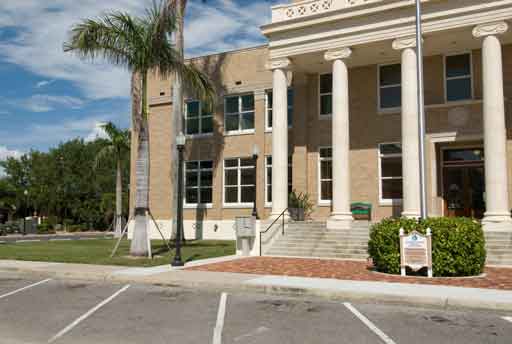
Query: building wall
{"x": 244, "y": 71}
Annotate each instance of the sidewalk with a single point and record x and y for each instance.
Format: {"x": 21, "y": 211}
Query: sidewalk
{"x": 406, "y": 293}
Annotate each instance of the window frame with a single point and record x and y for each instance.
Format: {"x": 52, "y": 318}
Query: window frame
{"x": 471, "y": 76}
{"x": 320, "y": 94}
{"x": 323, "y": 202}
{"x": 269, "y": 183}
{"x": 267, "y": 108}
{"x": 388, "y": 201}
{"x": 379, "y": 87}
{"x": 239, "y": 168}
{"x": 200, "y": 117}
{"x": 240, "y": 112}
{"x": 198, "y": 187}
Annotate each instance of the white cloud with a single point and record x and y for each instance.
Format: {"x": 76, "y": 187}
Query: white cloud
{"x": 44, "y": 83}
{"x": 45, "y": 102}
{"x": 97, "y": 133}
{"x": 8, "y": 153}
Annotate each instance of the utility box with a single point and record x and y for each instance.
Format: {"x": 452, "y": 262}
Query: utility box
{"x": 245, "y": 228}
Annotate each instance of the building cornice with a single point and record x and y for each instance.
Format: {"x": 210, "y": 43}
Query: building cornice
{"x": 490, "y": 29}
{"x": 337, "y": 54}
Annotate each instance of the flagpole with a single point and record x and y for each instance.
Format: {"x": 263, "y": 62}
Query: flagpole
{"x": 421, "y": 111}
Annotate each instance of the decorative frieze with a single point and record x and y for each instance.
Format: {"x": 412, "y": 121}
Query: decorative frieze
{"x": 488, "y": 29}
{"x": 336, "y": 54}
{"x": 404, "y": 43}
{"x": 283, "y": 63}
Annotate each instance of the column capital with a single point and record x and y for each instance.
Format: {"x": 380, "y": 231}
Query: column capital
{"x": 282, "y": 63}
{"x": 490, "y": 29}
{"x": 404, "y": 43}
{"x": 337, "y": 54}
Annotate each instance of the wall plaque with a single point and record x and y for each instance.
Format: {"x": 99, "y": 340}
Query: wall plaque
{"x": 415, "y": 251}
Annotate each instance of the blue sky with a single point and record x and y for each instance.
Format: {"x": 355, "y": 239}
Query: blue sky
{"x": 47, "y": 96}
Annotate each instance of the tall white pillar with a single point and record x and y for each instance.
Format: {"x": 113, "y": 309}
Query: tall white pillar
{"x": 279, "y": 136}
{"x": 497, "y": 216}
{"x": 341, "y": 216}
{"x": 410, "y": 122}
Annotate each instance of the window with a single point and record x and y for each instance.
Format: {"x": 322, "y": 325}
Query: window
{"x": 269, "y": 112}
{"x": 197, "y": 121}
{"x": 390, "y": 165}
{"x": 390, "y": 86}
{"x": 268, "y": 178}
{"x": 239, "y": 113}
{"x": 325, "y": 167}
{"x": 198, "y": 182}
{"x": 459, "y": 84}
{"x": 239, "y": 181}
{"x": 325, "y": 94}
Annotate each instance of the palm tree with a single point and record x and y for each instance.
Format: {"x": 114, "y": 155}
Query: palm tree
{"x": 117, "y": 144}
{"x": 141, "y": 44}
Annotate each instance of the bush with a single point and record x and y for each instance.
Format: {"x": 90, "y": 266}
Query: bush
{"x": 45, "y": 228}
{"x": 458, "y": 245}
{"x": 10, "y": 228}
{"x": 76, "y": 228}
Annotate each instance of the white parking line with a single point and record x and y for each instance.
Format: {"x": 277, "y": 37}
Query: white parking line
{"x": 509, "y": 319}
{"x": 25, "y": 288}
{"x": 221, "y": 314}
{"x": 86, "y": 315}
{"x": 369, "y": 324}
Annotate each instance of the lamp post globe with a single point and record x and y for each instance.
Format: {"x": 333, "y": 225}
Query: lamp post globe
{"x": 180, "y": 145}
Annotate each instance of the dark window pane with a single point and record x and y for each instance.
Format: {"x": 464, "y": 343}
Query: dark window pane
{"x": 290, "y": 117}
{"x": 392, "y": 189}
{"x": 191, "y": 165}
{"x": 463, "y": 155}
{"x": 269, "y": 100}
{"x": 207, "y": 164}
{"x": 248, "y": 102}
{"x": 391, "y": 148}
{"x": 269, "y": 160}
{"x": 247, "y": 121}
{"x": 231, "y": 195}
{"x": 192, "y": 109}
{"x": 326, "y": 170}
{"x": 269, "y": 193}
{"x": 390, "y": 75}
{"x": 231, "y": 163}
{"x": 326, "y": 192}
{"x": 206, "y": 178}
{"x": 231, "y": 122}
{"x": 192, "y": 126}
{"x": 231, "y": 177}
{"x": 247, "y": 162}
{"x": 248, "y": 194}
{"x": 290, "y": 97}
{"x": 206, "y": 195}
{"x": 248, "y": 176}
{"x": 326, "y": 83}
{"x": 207, "y": 125}
{"x": 326, "y": 105}
{"x": 459, "y": 65}
{"x": 231, "y": 104}
{"x": 391, "y": 167}
{"x": 191, "y": 179}
{"x": 390, "y": 97}
{"x": 191, "y": 196}
{"x": 458, "y": 89}
{"x": 269, "y": 175}
{"x": 326, "y": 152}
{"x": 269, "y": 118}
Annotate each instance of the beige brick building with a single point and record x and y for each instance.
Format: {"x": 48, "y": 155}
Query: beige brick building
{"x": 322, "y": 51}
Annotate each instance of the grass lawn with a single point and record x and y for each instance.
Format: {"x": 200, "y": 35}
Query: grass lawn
{"x": 97, "y": 251}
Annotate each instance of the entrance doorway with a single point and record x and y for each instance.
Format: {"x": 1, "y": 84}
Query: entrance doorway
{"x": 464, "y": 182}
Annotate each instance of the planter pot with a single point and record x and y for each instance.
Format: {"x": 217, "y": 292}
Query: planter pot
{"x": 297, "y": 214}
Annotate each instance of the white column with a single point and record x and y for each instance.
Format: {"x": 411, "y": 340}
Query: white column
{"x": 410, "y": 122}
{"x": 341, "y": 216}
{"x": 497, "y": 216}
{"x": 279, "y": 136}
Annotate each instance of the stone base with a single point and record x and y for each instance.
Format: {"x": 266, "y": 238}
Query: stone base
{"x": 411, "y": 215}
{"x": 500, "y": 223}
{"x": 273, "y": 216}
{"x": 340, "y": 221}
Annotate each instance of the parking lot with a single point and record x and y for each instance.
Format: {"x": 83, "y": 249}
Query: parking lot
{"x": 55, "y": 311}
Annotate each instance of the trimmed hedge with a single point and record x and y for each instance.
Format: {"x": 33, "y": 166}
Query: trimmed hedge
{"x": 458, "y": 245}
{"x": 45, "y": 228}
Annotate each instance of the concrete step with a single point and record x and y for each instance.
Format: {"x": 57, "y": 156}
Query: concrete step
{"x": 321, "y": 255}
{"x": 319, "y": 250}
{"x": 296, "y": 241}
{"x": 357, "y": 249}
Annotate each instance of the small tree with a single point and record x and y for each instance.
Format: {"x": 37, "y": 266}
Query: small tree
{"x": 117, "y": 144}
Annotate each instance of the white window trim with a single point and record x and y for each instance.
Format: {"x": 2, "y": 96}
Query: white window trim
{"x": 320, "y": 116}
{"x": 445, "y": 79}
{"x": 388, "y": 201}
{"x": 379, "y": 87}
{"x": 290, "y": 164}
{"x": 240, "y": 112}
{"x": 239, "y": 186}
{"x": 322, "y": 202}
{"x": 290, "y": 107}
{"x": 199, "y": 170}
{"x": 200, "y": 134}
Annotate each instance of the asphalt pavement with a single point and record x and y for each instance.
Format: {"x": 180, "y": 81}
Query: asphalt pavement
{"x": 44, "y": 310}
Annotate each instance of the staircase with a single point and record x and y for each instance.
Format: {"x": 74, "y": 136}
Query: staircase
{"x": 313, "y": 239}
{"x": 499, "y": 248}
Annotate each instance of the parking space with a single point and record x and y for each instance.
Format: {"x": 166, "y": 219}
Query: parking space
{"x": 56, "y": 311}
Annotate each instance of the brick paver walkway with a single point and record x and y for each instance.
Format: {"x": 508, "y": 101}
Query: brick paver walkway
{"x": 495, "y": 278}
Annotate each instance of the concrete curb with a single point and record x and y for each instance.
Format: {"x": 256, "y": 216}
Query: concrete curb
{"x": 244, "y": 283}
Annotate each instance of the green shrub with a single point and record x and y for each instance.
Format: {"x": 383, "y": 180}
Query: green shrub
{"x": 76, "y": 228}
{"x": 458, "y": 245}
{"x": 10, "y": 227}
{"x": 300, "y": 201}
{"x": 45, "y": 228}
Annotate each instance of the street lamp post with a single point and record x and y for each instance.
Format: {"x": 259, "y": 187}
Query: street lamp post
{"x": 255, "y": 154}
{"x": 25, "y": 213}
{"x": 180, "y": 144}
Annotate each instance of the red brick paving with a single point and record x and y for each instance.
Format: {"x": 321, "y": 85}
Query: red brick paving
{"x": 495, "y": 278}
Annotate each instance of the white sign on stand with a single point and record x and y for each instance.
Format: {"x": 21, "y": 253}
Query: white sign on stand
{"x": 416, "y": 251}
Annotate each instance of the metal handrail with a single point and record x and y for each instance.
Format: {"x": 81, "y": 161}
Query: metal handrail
{"x": 272, "y": 224}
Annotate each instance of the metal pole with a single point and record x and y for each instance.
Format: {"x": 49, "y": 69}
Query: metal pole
{"x": 254, "y": 208}
{"x": 421, "y": 111}
{"x": 179, "y": 216}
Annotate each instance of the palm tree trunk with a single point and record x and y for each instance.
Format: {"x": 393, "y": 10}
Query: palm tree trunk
{"x": 118, "y": 221}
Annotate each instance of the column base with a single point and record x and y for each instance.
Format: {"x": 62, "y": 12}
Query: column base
{"x": 497, "y": 222}
{"x": 411, "y": 214}
{"x": 340, "y": 221}
{"x": 274, "y": 216}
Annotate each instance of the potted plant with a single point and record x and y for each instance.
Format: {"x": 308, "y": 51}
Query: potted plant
{"x": 300, "y": 206}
